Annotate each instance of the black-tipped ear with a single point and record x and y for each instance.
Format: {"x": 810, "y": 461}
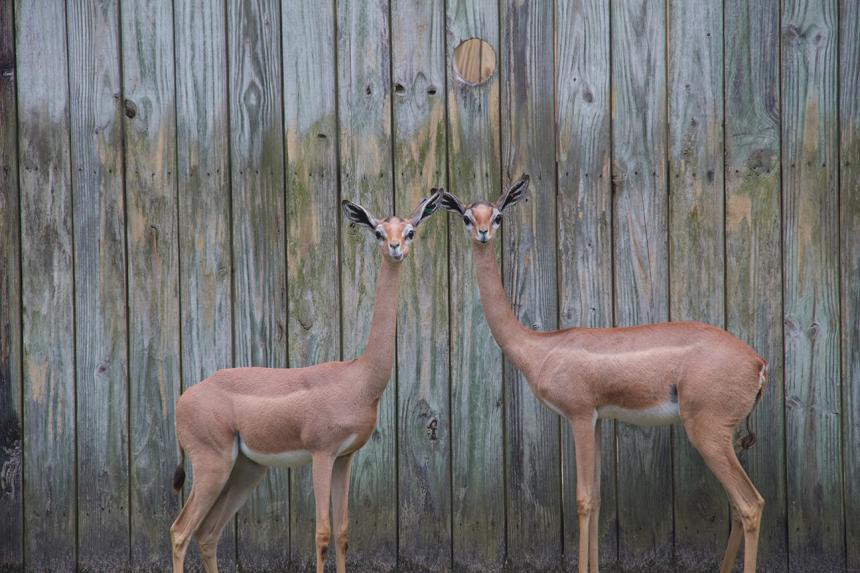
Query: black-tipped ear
{"x": 358, "y": 214}
{"x": 451, "y": 203}
{"x": 425, "y": 208}
{"x": 514, "y": 194}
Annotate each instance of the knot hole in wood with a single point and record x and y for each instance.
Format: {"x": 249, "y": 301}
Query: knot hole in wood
{"x": 474, "y": 61}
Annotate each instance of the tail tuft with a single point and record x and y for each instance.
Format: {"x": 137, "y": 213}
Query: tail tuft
{"x": 749, "y": 439}
{"x": 178, "y": 478}
{"x": 179, "y": 474}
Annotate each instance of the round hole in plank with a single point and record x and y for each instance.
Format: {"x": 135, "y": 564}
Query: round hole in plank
{"x": 474, "y": 61}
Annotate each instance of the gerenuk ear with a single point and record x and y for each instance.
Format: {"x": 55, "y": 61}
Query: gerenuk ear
{"x": 425, "y": 208}
{"x": 359, "y": 215}
{"x": 451, "y": 203}
{"x": 514, "y": 194}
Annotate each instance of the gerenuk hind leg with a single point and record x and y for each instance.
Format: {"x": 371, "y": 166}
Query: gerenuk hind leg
{"x": 714, "y": 441}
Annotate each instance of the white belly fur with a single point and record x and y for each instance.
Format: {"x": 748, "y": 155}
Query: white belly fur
{"x": 660, "y": 415}
{"x": 290, "y": 459}
{"x": 553, "y": 407}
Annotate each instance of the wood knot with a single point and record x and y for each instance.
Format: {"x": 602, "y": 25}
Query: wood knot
{"x": 792, "y": 32}
{"x": 760, "y": 161}
{"x": 130, "y": 108}
{"x": 431, "y": 429}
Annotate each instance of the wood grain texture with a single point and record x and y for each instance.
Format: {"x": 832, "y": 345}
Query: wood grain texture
{"x": 47, "y": 286}
{"x": 203, "y": 185}
{"x": 696, "y": 243}
{"x": 101, "y": 353}
{"x": 533, "y": 465}
{"x": 11, "y": 435}
{"x": 753, "y": 250}
{"x": 641, "y": 262}
{"x": 811, "y": 284}
{"x": 153, "y": 286}
{"x": 849, "y": 192}
{"x": 301, "y": 95}
{"x": 364, "y": 108}
{"x": 477, "y": 424}
{"x": 259, "y": 257}
{"x": 424, "y": 428}
{"x": 313, "y": 216}
{"x": 584, "y": 228}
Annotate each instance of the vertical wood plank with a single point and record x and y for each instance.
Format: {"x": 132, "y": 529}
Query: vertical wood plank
{"x": 696, "y": 243}
{"x": 100, "y": 288}
{"x": 364, "y": 107}
{"x": 47, "y": 285}
{"x": 423, "y": 434}
{"x": 811, "y": 283}
{"x": 11, "y": 436}
{"x": 477, "y": 425}
{"x": 585, "y": 227}
{"x": 260, "y": 298}
{"x": 313, "y": 216}
{"x": 528, "y": 134}
{"x": 849, "y": 122}
{"x": 153, "y": 295}
{"x": 753, "y": 252}
{"x": 203, "y": 191}
{"x": 641, "y": 262}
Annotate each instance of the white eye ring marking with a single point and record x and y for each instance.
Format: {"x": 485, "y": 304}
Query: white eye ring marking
{"x": 497, "y": 218}
{"x": 409, "y": 233}
{"x": 380, "y": 234}
{"x": 467, "y": 218}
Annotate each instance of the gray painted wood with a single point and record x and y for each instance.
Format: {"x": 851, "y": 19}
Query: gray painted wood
{"x": 585, "y": 229}
{"x": 259, "y": 295}
{"x": 234, "y": 66}
{"x": 424, "y": 422}
{"x": 810, "y": 215}
{"x": 533, "y": 464}
{"x": 47, "y": 286}
{"x": 364, "y": 109}
{"x": 313, "y": 214}
{"x": 101, "y": 354}
{"x": 696, "y": 249}
{"x": 639, "y": 176}
{"x": 477, "y": 407}
{"x": 11, "y": 435}
{"x": 753, "y": 252}
{"x": 849, "y": 193}
{"x": 203, "y": 192}
{"x": 153, "y": 269}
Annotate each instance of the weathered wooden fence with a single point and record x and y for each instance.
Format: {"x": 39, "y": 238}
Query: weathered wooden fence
{"x": 169, "y": 206}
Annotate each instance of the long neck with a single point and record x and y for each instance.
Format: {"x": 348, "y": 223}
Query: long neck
{"x": 512, "y": 337}
{"x": 379, "y": 352}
